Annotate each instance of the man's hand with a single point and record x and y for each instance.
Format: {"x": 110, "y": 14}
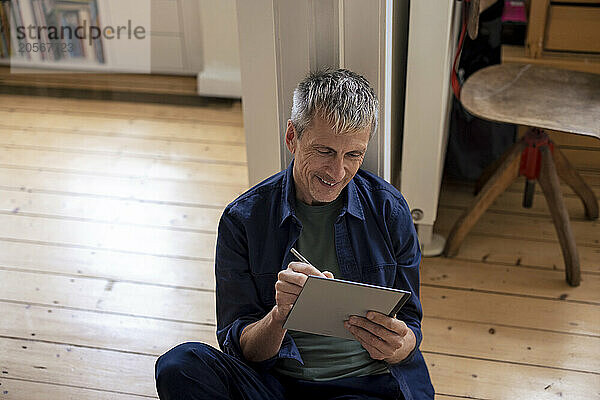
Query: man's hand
{"x": 288, "y": 286}
{"x": 385, "y": 338}
{"x": 262, "y": 339}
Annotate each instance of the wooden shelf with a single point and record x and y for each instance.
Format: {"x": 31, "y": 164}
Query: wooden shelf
{"x": 565, "y": 60}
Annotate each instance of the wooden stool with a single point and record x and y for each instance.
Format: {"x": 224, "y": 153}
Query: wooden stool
{"x": 542, "y": 98}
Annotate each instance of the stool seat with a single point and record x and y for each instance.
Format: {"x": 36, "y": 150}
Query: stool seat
{"x": 533, "y": 95}
{"x": 541, "y": 98}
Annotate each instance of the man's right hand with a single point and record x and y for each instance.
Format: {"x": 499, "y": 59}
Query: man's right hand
{"x": 289, "y": 283}
{"x": 262, "y": 339}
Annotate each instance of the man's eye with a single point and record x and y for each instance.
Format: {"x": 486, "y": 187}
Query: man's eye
{"x": 324, "y": 152}
{"x": 355, "y": 155}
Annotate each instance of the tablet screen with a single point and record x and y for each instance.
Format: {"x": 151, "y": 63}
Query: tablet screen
{"x": 324, "y": 304}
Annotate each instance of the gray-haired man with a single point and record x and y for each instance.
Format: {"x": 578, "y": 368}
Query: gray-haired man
{"x": 349, "y": 223}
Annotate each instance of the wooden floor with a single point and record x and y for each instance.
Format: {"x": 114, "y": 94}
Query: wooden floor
{"x": 108, "y": 216}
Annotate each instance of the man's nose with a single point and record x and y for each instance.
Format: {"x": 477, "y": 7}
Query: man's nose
{"x": 337, "y": 169}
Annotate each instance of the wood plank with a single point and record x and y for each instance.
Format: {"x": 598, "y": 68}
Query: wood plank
{"x": 96, "y": 235}
{"x": 151, "y": 336}
{"x": 520, "y": 226}
{"x": 597, "y": 2}
{"x": 104, "y": 370}
{"x": 230, "y": 115}
{"x": 514, "y": 311}
{"x": 573, "y": 28}
{"x": 100, "y": 330}
{"x": 492, "y": 380}
{"x": 107, "y": 165}
{"x": 583, "y": 158}
{"x": 78, "y": 366}
{"x": 110, "y": 265}
{"x": 200, "y": 274}
{"x": 115, "y": 126}
{"x": 444, "y": 272}
{"x": 592, "y": 179}
{"x": 514, "y": 251}
{"x": 198, "y": 306}
{"x": 511, "y": 202}
{"x": 512, "y": 345}
{"x": 123, "y": 188}
{"x": 109, "y": 296}
{"x": 538, "y": 12}
{"x": 565, "y": 60}
{"x": 122, "y": 146}
{"x": 19, "y": 389}
{"x": 114, "y": 211}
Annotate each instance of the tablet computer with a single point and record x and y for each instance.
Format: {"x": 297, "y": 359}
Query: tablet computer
{"x": 324, "y": 304}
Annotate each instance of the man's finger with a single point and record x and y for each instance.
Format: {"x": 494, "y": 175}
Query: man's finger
{"x": 371, "y": 339}
{"x": 374, "y": 353}
{"x": 286, "y": 287}
{"x": 379, "y": 348}
{"x": 393, "y": 324}
{"x": 305, "y": 269}
{"x": 295, "y": 278}
{"x": 376, "y": 329}
{"x": 328, "y": 274}
{"x": 391, "y": 338}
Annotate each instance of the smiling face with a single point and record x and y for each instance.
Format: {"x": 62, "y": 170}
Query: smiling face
{"x": 324, "y": 162}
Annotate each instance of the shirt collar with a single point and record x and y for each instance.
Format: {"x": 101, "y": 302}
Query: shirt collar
{"x": 288, "y": 194}
{"x": 353, "y": 204}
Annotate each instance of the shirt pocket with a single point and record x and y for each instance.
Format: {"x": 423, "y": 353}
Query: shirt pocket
{"x": 265, "y": 285}
{"x": 380, "y": 275}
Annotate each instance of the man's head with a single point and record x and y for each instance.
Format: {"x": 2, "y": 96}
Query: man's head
{"x": 334, "y": 114}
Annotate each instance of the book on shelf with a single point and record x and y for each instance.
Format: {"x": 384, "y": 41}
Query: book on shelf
{"x": 40, "y": 21}
{"x": 11, "y": 17}
{"x": 57, "y": 40}
{"x": 17, "y": 14}
{"x": 7, "y": 45}
{"x": 5, "y": 42}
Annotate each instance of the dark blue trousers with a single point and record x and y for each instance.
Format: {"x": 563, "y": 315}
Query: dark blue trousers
{"x": 195, "y": 371}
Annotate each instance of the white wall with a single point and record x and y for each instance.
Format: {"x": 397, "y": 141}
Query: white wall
{"x": 282, "y": 40}
{"x": 220, "y": 73}
{"x": 431, "y": 44}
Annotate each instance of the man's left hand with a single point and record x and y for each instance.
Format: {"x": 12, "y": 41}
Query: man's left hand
{"x": 385, "y": 338}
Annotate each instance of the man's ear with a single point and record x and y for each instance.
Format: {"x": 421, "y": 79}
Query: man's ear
{"x": 291, "y": 138}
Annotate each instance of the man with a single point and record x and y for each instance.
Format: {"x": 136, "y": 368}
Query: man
{"x": 347, "y": 222}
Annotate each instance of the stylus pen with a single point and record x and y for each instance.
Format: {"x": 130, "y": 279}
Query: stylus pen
{"x": 299, "y": 256}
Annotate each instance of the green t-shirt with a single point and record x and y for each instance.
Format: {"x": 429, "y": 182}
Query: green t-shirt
{"x": 325, "y": 358}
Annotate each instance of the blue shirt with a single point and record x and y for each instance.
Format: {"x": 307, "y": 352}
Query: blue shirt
{"x": 375, "y": 242}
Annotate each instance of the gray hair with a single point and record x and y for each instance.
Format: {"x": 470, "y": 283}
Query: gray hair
{"x": 342, "y": 98}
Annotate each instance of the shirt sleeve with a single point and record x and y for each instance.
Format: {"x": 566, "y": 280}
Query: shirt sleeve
{"x": 408, "y": 258}
{"x": 237, "y": 300}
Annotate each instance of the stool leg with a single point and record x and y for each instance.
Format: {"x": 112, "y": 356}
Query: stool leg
{"x": 493, "y": 167}
{"x": 569, "y": 174}
{"x": 548, "y": 180}
{"x": 506, "y": 173}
